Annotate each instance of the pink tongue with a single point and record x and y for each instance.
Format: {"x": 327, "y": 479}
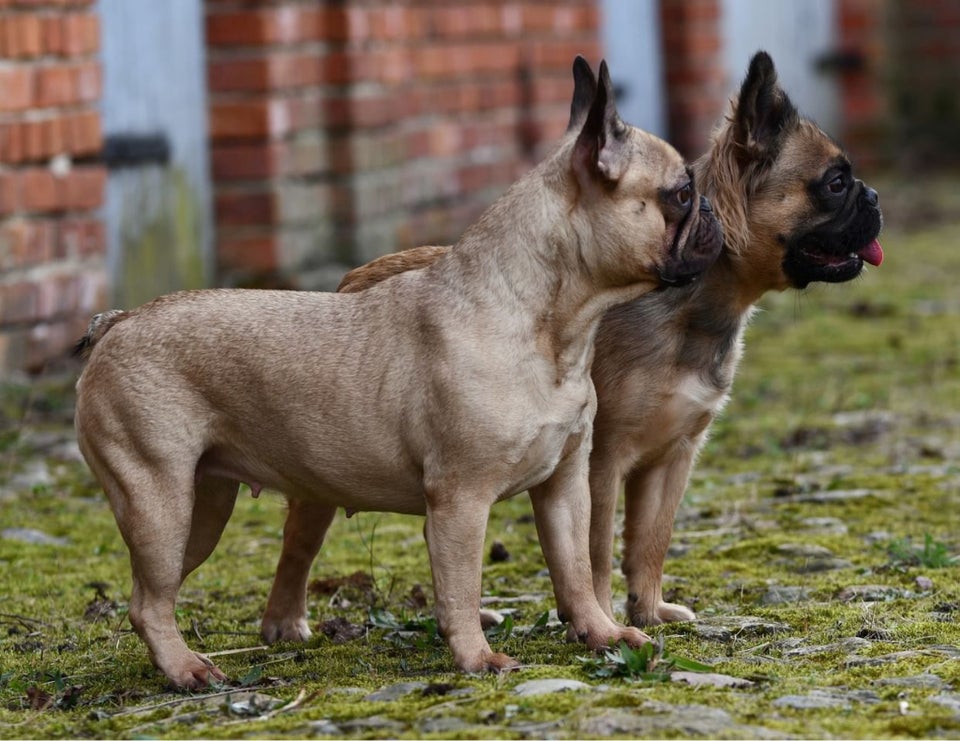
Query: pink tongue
{"x": 872, "y": 253}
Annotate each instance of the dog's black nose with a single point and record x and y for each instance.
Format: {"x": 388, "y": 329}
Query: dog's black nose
{"x": 871, "y": 196}
{"x": 705, "y": 204}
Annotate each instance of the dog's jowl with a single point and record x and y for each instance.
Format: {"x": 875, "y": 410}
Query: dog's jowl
{"x": 437, "y": 392}
{"x": 792, "y": 213}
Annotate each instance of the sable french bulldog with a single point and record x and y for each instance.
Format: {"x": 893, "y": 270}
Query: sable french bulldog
{"x": 792, "y": 214}
{"x": 436, "y": 393}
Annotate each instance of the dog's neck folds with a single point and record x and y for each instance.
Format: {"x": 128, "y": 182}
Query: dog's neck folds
{"x": 528, "y": 252}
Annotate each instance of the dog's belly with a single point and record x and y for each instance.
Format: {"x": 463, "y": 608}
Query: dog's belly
{"x": 366, "y": 488}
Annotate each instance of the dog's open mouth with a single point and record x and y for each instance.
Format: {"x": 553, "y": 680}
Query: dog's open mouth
{"x": 872, "y": 254}
{"x": 808, "y": 262}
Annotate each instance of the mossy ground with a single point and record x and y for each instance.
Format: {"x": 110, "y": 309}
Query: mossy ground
{"x": 842, "y": 388}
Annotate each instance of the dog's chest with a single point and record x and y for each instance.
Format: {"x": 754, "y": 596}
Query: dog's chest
{"x": 686, "y": 412}
{"x": 555, "y": 433}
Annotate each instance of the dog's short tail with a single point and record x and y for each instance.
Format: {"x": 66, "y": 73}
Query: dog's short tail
{"x": 97, "y": 329}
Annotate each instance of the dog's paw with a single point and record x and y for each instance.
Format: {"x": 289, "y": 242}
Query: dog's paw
{"x": 600, "y": 639}
{"x": 671, "y": 613}
{"x": 487, "y": 661}
{"x": 664, "y": 612}
{"x": 194, "y": 672}
{"x": 633, "y": 637}
{"x": 295, "y": 630}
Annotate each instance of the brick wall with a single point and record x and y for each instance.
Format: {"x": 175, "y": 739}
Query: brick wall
{"x": 693, "y": 61}
{"x": 922, "y": 81}
{"x": 900, "y": 101}
{"x": 51, "y": 239}
{"x": 863, "y": 99}
{"x": 341, "y": 131}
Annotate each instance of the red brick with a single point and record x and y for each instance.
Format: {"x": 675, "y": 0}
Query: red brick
{"x": 39, "y": 190}
{"x": 537, "y": 18}
{"x": 88, "y": 81}
{"x": 463, "y": 20}
{"x": 11, "y": 143}
{"x": 81, "y": 34}
{"x": 26, "y": 242}
{"x": 245, "y": 208}
{"x": 9, "y": 192}
{"x": 53, "y": 34}
{"x": 81, "y": 237}
{"x": 285, "y": 24}
{"x": 22, "y": 35}
{"x": 57, "y": 296}
{"x": 277, "y": 71}
{"x": 240, "y": 27}
{"x": 248, "y": 253}
{"x": 251, "y": 119}
{"x": 52, "y": 137}
{"x": 82, "y": 132}
{"x": 17, "y": 86}
{"x": 239, "y": 74}
{"x": 66, "y": 84}
{"x": 393, "y": 22}
{"x": 243, "y": 161}
{"x": 33, "y": 145}
{"x": 83, "y": 188}
{"x": 56, "y": 85}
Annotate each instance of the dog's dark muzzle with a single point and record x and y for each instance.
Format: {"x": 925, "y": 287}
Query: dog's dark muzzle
{"x": 835, "y": 251}
{"x": 697, "y": 246}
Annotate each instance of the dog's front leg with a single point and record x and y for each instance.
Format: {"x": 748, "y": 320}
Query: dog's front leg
{"x": 454, "y": 530}
{"x": 561, "y": 507}
{"x": 285, "y": 618}
{"x": 652, "y": 497}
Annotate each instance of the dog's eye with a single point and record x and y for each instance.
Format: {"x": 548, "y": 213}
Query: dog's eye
{"x": 837, "y": 185}
{"x": 684, "y": 195}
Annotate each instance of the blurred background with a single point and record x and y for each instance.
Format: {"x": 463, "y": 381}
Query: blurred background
{"x": 150, "y": 146}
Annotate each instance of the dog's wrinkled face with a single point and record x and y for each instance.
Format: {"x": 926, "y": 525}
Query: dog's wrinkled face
{"x": 640, "y": 199}
{"x": 820, "y": 222}
{"x": 840, "y": 231}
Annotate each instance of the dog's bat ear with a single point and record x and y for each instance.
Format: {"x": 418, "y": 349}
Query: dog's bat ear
{"x": 600, "y": 150}
{"x": 584, "y": 91}
{"x": 763, "y": 111}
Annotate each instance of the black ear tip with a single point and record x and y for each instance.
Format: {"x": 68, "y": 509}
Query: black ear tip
{"x": 762, "y": 64}
{"x": 603, "y": 75}
{"x": 581, "y": 69}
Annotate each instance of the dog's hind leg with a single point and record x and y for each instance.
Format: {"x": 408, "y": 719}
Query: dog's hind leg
{"x": 652, "y": 498}
{"x": 285, "y": 618}
{"x": 153, "y": 507}
{"x": 212, "y": 506}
